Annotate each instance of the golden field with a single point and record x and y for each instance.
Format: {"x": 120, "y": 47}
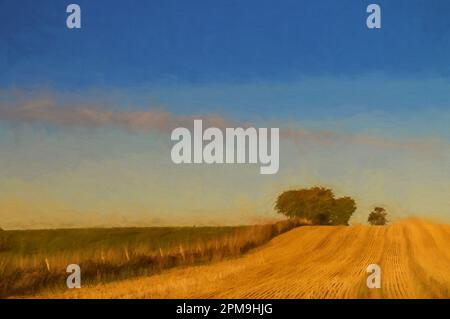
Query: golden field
{"x": 307, "y": 262}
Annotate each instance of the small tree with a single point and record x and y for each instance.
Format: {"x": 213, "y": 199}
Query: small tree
{"x": 378, "y": 216}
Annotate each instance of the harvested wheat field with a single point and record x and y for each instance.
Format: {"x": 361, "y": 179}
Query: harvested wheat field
{"x": 309, "y": 262}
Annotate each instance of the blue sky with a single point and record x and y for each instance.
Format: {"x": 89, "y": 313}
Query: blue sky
{"x": 154, "y": 47}
{"x": 173, "y": 42}
{"x": 383, "y": 95}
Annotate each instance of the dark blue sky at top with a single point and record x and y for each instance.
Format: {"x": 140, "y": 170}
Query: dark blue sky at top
{"x": 135, "y": 43}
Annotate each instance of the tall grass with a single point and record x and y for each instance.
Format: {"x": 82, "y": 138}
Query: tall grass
{"x": 34, "y": 260}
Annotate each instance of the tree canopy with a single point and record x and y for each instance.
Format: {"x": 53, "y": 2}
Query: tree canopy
{"x": 378, "y": 216}
{"x": 317, "y": 204}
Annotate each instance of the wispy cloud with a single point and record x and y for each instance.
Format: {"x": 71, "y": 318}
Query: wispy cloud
{"x": 330, "y": 138}
{"x": 48, "y": 111}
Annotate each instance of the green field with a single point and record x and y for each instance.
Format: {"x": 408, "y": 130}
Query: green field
{"x": 32, "y": 260}
{"x": 50, "y": 242}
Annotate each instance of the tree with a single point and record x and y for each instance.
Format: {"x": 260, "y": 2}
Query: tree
{"x": 342, "y": 211}
{"x": 316, "y": 204}
{"x": 378, "y": 216}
